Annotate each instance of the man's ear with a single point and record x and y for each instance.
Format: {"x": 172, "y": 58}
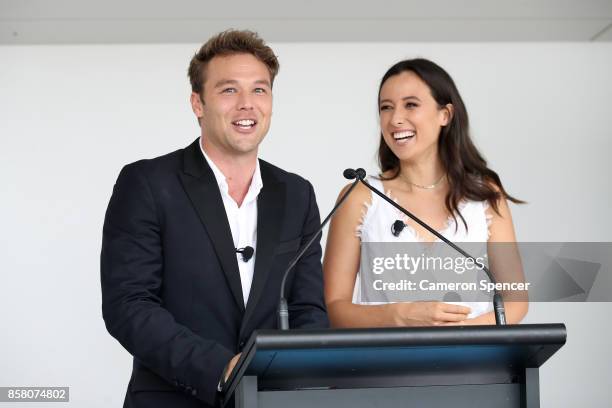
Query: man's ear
{"x": 447, "y": 113}
{"x": 197, "y": 104}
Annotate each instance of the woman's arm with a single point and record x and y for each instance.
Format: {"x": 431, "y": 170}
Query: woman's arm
{"x": 340, "y": 266}
{"x": 504, "y": 263}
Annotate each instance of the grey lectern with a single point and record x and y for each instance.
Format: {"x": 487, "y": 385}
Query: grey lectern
{"x": 466, "y": 366}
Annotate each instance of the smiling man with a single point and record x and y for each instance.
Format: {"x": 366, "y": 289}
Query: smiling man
{"x": 195, "y": 242}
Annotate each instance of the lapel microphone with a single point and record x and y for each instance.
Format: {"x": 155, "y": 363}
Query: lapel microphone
{"x": 246, "y": 252}
{"x": 397, "y": 227}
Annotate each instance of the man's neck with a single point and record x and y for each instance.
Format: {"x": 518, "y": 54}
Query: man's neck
{"x": 237, "y": 169}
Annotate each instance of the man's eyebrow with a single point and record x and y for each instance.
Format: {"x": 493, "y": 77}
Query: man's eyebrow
{"x": 263, "y": 82}
{"x": 224, "y": 82}
{"x": 405, "y": 98}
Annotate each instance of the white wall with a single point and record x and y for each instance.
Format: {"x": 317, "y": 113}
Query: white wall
{"x": 71, "y": 116}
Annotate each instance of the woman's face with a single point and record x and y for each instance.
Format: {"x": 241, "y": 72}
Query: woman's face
{"x": 410, "y": 119}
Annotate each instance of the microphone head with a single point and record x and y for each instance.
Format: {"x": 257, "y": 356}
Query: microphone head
{"x": 397, "y": 227}
{"x": 247, "y": 253}
{"x": 350, "y": 174}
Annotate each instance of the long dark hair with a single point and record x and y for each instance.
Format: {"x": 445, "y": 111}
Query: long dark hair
{"x": 466, "y": 170}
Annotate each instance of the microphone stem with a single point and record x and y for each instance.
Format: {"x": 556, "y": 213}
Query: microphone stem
{"x": 283, "y": 309}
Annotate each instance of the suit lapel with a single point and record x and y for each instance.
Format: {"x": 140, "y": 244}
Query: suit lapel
{"x": 270, "y": 215}
{"x": 201, "y": 187}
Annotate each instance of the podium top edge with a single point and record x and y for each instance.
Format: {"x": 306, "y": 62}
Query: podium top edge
{"x": 539, "y": 341}
{"x": 551, "y": 334}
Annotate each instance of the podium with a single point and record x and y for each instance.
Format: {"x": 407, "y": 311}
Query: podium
{"x": 464, "y": 366}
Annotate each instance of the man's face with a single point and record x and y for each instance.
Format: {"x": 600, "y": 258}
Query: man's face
{"x": 236, "y": 104}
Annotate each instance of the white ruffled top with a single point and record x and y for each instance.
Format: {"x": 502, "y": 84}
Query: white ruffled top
{"x": 378, "y": 216}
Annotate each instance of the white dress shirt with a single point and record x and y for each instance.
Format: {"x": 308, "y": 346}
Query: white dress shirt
{"x": 242, "y": 221}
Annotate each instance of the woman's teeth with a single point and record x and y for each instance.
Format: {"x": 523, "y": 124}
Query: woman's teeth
{"x": 403, "y": 135}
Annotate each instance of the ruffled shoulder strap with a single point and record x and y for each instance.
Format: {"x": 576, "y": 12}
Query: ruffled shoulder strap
{"x": 369, "y": 206}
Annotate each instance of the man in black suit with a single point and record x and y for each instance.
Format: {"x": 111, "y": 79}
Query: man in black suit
{"x": 179, "y": 291}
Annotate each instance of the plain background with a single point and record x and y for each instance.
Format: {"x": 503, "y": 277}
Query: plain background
{"x": 72, "y": 116}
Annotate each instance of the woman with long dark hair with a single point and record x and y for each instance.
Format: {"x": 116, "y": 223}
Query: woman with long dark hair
{"x": 430, "y": 166}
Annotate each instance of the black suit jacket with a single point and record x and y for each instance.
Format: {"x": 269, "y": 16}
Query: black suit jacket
{"x": 171, "y": 290}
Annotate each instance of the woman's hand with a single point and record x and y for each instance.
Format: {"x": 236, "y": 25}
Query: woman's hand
{"x": 427, "y": 313}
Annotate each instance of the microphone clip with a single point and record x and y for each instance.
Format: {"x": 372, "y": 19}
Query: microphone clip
{"x": 397, "y": 227}
{"x": 246, "y": 252}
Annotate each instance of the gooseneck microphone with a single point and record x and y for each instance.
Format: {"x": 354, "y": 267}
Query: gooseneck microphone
{"x": 283, "y": 308}
{"x": 246, "y": 252}
{"x": 498, "y": 303}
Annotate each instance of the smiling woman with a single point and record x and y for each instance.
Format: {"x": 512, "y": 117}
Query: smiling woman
{"x": 430, "y": 166}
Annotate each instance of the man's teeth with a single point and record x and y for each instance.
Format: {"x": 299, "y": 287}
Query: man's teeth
{"x": 245, "y": 122}
{"x": 403, "y": 135}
